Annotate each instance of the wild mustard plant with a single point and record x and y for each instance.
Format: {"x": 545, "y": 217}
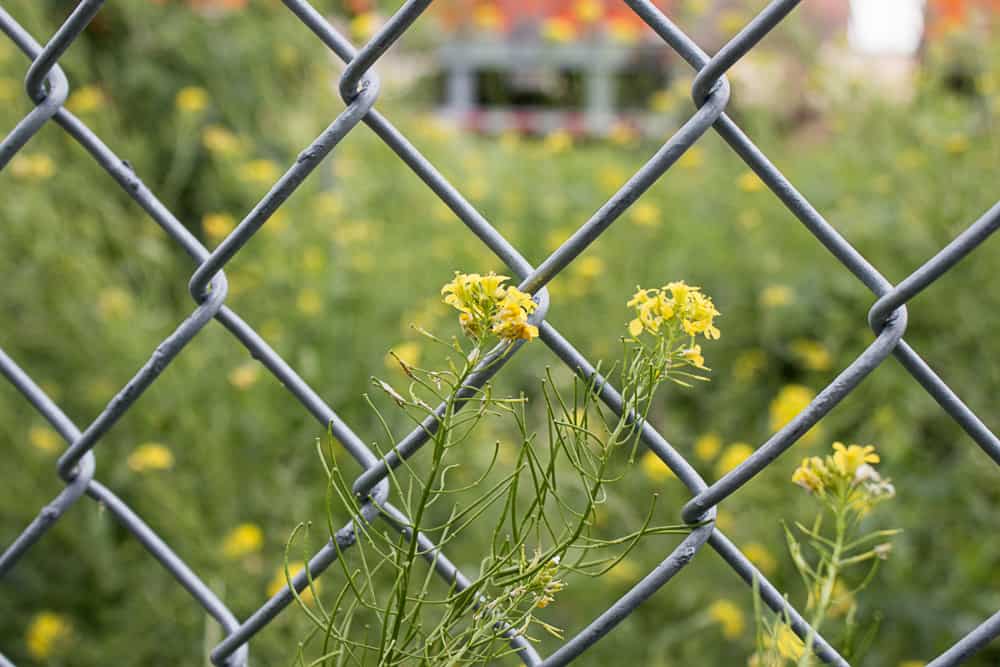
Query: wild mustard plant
{"x": 847, "y": 487}
{"x": 392, "y": 607}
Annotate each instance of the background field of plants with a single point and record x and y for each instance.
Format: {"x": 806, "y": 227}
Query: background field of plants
{"x": 210, "y": 109}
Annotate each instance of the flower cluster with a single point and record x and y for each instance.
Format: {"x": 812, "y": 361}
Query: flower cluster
{"x": 686, "y": 306}
{"x": 847, "y": 473}
{"x": 487, "y": 306}
{"x": 674, "y": 311}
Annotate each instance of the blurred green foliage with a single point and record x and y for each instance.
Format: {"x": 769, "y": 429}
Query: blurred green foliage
{"x": 210, "y": 109}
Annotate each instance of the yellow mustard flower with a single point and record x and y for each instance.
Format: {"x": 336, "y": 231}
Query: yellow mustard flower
{"x": 243, "y": 540}
{"x": 313, "y": 259}
{"x": 588, "y": 268}
{"x": 47, "y": 635}
{"x": 86, "y": 99}
{"x": 9, "y": 89}
{"x": 732, "y": 456}
{"x": 487, "y": 16}
{"x": 848, "y": 459}
{"x": 328, "y": 205}
{"x": 654, "y": 468}
{"x": 114, "y": 303}
{"x": 220, "y": 141}
{"x": 191, "y": 99}
{"x": 558, "y": 141}
{"x": 278, "y": 581}
{"x": 218, "y": 225}
{"x": 775, "y": 296}
{"x": 812, "y": 475}
{"x": 259, "y": 171}
{"x": 623, "y": 31}
{"x": 692, "y": 158}
{"x": 32, "y": 167}
{"x": 729, "y": 616}
{"x": 622, "y": 134}
{"x": 558, "y": 29}
{"x": 790, "y": 401}
{"x": 759, "y": 555}
{"x": 364, "y": 26}
{"x": 645, "y": 214}
{"x": 625, "y": 571}
{"x": 588, "y": 11}
{"x": 724, "y": 520}
{"x": 812, "y": 354}
{"x": 956, "y": 144}
{"x": 149, "y": 457}
{"x": 485, "y": 304}
{"x": 686, "y": 305}
{"x": 750, "y": 182}
{"x": 245, "y": 375}
{"x": 409, "y": 353}
{"x": 309, "y": 302}
{"x": 45, "y": 439}
{"x": 788, "y": 643}
{"x": 707, "y": 446}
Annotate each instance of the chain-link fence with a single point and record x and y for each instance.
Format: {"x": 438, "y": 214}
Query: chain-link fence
{"x": 47, "y": 87}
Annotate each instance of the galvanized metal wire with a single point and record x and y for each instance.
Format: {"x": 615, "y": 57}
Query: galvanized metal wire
{"x": 47, "y": 87}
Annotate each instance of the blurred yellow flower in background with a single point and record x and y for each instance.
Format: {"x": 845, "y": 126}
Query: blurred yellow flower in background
{"x": 115, "y": 303}
{"x": 812, "y": 354}
{"x": 45, "y": 439}
{"x": 654, "y": 468}
{"x": 409, "y": 353}
{"x": 220, "y": 141}
{"x": 149, "y": 457}
{"x": 259, "y": 171}
{"x": 327, "y": 204}
{"x": 646, "y": 214}
{"x": 557, "y": 141}
{"x": 279, "y": 581}
{"x": 588, "y": 11}
{"x": 759, "y": 555}
{"x": 191, "y": 99}
{"x": 748, "y": 363}
{"x": 748, "y": 181}
{"x": 587, "y": 268}
{"x": 245, "y": 375}
{"x": 622, "y": 134}
{"x": 32, "y": 166}
{"x": 625, "y": 571}
{"x": 218, "y": 225}
{"x": 692, "y": 158}
{"x": 487, "y": 17}
{"x": 243, "y": 540}
{"x": 774, "y": 296}
{"x": 729, "y": 616}
{"x": 732, "y": 456}
{"x": 313, "y": 259}
{"x": 790, "y": 401}
{"x": 86, "y": 99}
{"x": 364, "y": 26}
{"x": 707, "y": 446}
{"x": 47, "y": 635}
{"x": 558, "y": 29}
{"x": 9, "y": 89}
{"x": 309, "y": 301}
{"x": 956, "y": 143}
{"x": 623, "y": 31}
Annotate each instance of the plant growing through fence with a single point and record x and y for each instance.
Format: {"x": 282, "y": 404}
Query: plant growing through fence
{"x": 542, "y": 507}
{"x": 847, "y": 487}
